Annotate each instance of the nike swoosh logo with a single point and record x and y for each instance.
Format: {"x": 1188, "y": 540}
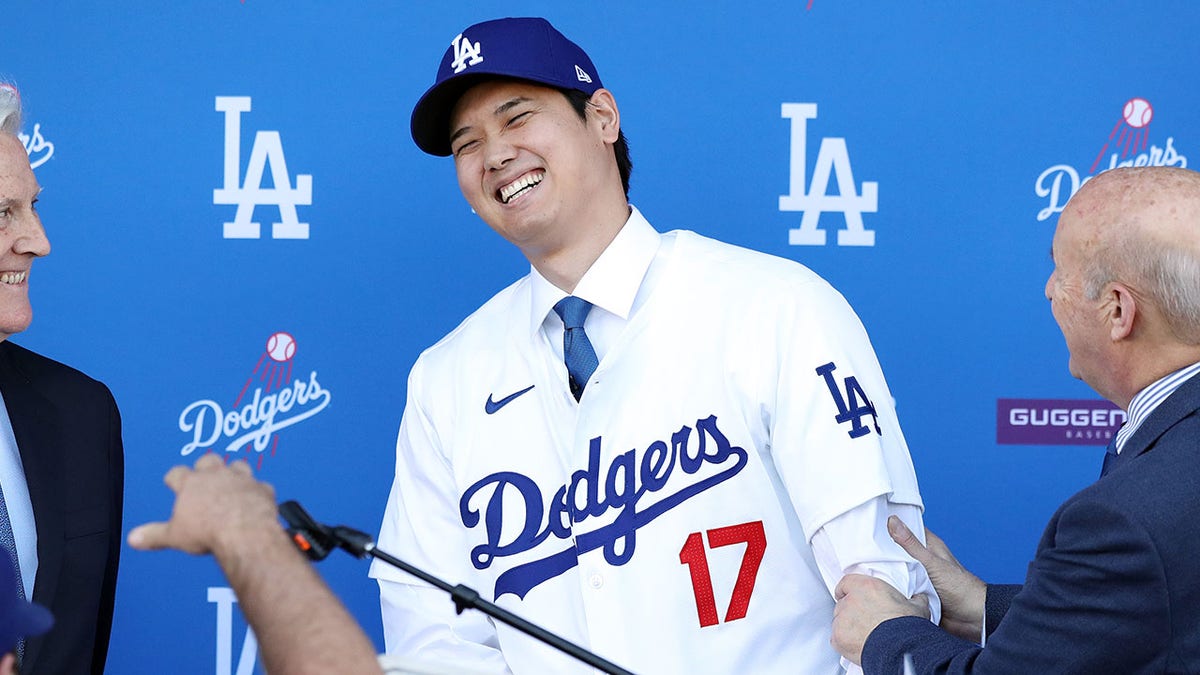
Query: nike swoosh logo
{"x": 492, "y": 406}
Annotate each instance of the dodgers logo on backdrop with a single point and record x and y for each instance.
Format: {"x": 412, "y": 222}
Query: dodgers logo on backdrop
{"x": 269, "y": 401}
{"x": 247, "y": 194}
{"x": 1126, "y": 145}
{"x": 704, "y": 456}
{"x": 1034, "y": 421}
{"x": 37, "y": 147}
{"x": 833, "y": 160}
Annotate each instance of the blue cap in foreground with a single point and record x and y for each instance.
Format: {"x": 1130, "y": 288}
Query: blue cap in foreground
{"x": 18, "y": 617}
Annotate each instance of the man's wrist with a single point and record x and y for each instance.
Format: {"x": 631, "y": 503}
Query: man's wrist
{"x": 235, "y": 543}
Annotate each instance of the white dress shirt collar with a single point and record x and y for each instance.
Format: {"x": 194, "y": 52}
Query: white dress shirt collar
{"x": 612, "y": 282}
{"x": 1149, "y": 398}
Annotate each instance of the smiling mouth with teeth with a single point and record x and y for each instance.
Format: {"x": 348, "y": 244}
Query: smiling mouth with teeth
{"x": 12, "y": 278}
{"x": 520, "y": 186}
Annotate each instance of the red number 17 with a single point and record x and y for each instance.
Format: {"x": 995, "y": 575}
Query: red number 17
{"x": 694, "y": 556}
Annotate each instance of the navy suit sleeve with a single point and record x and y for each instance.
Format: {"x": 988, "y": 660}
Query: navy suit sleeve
{"x": 999, "y": 598}
{"x": 1095, "y": 601}
{"x": 108, "y": 592}
{"x": 886, "y": 646}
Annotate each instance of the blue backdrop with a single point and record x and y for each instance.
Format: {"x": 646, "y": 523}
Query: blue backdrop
{"x": 951, "y": 131}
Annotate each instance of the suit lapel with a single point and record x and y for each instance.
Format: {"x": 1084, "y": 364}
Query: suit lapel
{"x": 33, "y": 423}
{"x": 1182, "y": 402}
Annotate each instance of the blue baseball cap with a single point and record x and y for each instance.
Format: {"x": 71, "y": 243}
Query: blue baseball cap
{"x": 526, "y": 48}
{"x": 19, "y": 618}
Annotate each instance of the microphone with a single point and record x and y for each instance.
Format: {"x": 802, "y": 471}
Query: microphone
{"x": 312, "y": 538}
{"x": 317, "y": 541}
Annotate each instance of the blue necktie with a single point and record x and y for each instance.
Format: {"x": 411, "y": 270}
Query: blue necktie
{"x": 9, "y": 542}
{"x": 1110, "y": 457}
{"x": 577, "y": 349}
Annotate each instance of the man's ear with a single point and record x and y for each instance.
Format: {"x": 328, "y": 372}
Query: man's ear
{"x": 8, "y": 664}
{"x": 604, "y": 107}
{"x": 1121, "y": 308}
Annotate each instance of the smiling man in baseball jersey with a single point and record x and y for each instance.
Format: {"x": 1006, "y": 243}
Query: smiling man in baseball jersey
{"x": 665, "y": 448}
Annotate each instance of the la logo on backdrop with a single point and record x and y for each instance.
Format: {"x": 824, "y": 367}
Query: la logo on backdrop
{"x": 1128, "y": 144}
{"x": 247, "y": 194}
{"x": 273, "y": 397}
{"x": 833, "y": 161}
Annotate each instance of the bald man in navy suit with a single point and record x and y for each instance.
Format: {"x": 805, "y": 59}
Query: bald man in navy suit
{"x": 1115, "y": 584}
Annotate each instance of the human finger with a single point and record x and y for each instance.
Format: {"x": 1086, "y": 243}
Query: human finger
{"x": 242, "y": 467}
{"x": 907, "y": 540}
{"x": 176, "y": 477}
{"x": 937, "y": 547}
{"x": 847, "y": 584}
{"x": 209, "y": 461}
{"x": 148, "y": 537}
{"x": 921, "y": 600}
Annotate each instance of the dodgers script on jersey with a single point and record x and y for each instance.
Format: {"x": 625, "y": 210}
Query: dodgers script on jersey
{"x": 664, "y": 520}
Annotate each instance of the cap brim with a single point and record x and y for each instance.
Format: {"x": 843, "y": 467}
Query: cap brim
{"x": 430, "y": 123}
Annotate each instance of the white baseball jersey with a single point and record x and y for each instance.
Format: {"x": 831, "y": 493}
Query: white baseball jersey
{"x": 666, "y": 520}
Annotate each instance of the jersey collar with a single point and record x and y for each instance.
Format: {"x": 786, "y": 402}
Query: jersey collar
{"x": 612, "y": 282}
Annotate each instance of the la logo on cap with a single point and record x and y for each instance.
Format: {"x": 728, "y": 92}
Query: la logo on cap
{"x": 468, "y": 54}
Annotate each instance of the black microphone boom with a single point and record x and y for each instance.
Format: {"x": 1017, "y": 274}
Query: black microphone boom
{"x": 316, "y": 541}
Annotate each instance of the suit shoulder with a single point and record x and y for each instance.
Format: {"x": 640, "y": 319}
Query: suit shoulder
{"x": 1159, "y": 477}
{"x": 46, "y": 373}
{"x": 1153, "y": 493}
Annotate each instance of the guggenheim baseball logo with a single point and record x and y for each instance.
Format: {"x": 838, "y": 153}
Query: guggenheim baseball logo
{"x": 1128, "y": 144}
{"x": 269, "y": 401}
{"x": 1032, "y": 421}
{"x": 249, "y": 193}
{"x": 833, "y": 161}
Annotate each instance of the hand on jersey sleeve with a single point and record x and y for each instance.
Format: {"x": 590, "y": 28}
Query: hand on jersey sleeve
{"x": 862, "y": 604}
{"x": 961, "y": 592}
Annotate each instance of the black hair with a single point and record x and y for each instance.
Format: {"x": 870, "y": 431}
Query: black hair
{"x": 579, "y": 102}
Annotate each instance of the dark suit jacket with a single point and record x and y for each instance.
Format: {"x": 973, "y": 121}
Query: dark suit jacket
{"x": 1115, "y": 584}
{"x": 68, "y": 431}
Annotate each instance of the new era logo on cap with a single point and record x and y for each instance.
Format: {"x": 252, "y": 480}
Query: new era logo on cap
{"x": 525, "y": 48}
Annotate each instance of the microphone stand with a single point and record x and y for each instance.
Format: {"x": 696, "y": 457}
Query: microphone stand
{"x": 317, "y": 541}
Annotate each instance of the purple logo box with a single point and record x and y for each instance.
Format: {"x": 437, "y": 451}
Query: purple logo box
{"x": 1054, "y": 421}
